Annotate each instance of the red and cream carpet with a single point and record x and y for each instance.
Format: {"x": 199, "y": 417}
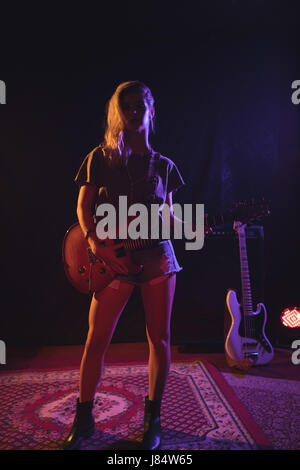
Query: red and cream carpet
{"x": 199, "y": 411}
{"x": 275, "y": 405}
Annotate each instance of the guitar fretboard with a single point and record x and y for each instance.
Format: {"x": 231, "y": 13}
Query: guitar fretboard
{"x": 245, "y": 277}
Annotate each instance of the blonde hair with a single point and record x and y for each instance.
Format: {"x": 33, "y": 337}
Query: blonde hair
{"x": 113, "y": 144}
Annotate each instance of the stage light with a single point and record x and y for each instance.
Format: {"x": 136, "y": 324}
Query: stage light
{"x": 290, "y": 317}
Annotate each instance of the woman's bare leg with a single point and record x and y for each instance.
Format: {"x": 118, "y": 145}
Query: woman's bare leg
{"x": 158, "y": 301}
{"x": 105, "y": 310}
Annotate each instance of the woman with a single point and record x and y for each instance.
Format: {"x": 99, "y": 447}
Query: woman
{"x": 125, "y": 164}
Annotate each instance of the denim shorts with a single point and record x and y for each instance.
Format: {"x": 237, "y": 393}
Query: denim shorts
{"x": 157, "y": 261}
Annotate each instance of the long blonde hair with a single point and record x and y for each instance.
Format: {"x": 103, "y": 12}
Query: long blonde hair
{"x": 113, "y": 144}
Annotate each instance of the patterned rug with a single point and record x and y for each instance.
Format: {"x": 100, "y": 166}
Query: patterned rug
{"x": 274, "y": 404}
{"x": 199, "y": 410}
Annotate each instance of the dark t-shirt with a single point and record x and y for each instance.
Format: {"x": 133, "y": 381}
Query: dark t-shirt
{"x": 144, "y": 179}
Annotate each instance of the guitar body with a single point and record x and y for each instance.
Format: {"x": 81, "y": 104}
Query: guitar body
{"x": 246, "y": 342}
{"x": 86, "y": 272}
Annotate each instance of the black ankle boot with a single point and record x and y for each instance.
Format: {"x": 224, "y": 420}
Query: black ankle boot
{"x": 83, "y": 426}
{"x": 152, "y": 428}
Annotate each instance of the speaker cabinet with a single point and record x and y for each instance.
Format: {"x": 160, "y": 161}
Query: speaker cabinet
{"x": 198, "y": 313}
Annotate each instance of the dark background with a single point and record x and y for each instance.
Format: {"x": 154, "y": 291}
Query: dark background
{"x": 221, "y": 75}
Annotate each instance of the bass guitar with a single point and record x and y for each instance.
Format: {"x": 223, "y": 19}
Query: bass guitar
{"x": 246, "y": 343}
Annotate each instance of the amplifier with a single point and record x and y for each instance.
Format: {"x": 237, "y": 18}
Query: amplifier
{"x": 198, "y": 312}
{"x": 199, "y": 303}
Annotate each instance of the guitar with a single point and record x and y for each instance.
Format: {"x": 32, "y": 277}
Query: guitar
{"x": 246, "y": 343}
{"x": 84, "y": 270}
{"x": 88, "y": 274}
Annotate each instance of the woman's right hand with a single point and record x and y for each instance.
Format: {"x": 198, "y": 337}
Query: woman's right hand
{"x": 107, "y": 254}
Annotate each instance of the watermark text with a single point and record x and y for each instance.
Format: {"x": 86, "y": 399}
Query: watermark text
{"x": 134, "y": 221}
{"x": 2, "y": 92}
{"x": 2, "y": 352}
{"x": 296, "y": 94}
{"x": 296, "y": 354}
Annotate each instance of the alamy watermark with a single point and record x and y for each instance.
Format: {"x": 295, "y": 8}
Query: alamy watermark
{"x": 2, "y": 352}
{"x": 134, "y": 222}
{"x": 296, "y": 354}
{"x": 2, "y": 92}
{"x": 296, "y": 94}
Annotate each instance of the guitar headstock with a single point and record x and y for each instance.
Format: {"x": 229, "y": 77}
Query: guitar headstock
{"x": 249, "y": 212}
{"x": 242, "y": 213}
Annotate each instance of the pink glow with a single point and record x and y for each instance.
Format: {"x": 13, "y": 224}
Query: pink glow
{"x": 290, "y": 317}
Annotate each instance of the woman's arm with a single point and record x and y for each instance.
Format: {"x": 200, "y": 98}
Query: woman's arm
{"x": 86, "y": 198}
{"x": 174, "y": 219}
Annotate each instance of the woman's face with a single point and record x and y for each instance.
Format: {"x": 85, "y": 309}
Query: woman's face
{"x": 137, "y": 114}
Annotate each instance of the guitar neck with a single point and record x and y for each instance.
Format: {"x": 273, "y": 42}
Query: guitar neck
{"x": 245, "y": 276}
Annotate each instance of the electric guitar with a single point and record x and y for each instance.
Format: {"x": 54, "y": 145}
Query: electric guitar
{"x": 84, "y": 270}
{"x": 88, "y": 274}
{"x": 246, "y": 343}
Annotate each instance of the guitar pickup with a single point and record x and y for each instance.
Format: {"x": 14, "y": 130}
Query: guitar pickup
{"x": 249, "y": 345}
